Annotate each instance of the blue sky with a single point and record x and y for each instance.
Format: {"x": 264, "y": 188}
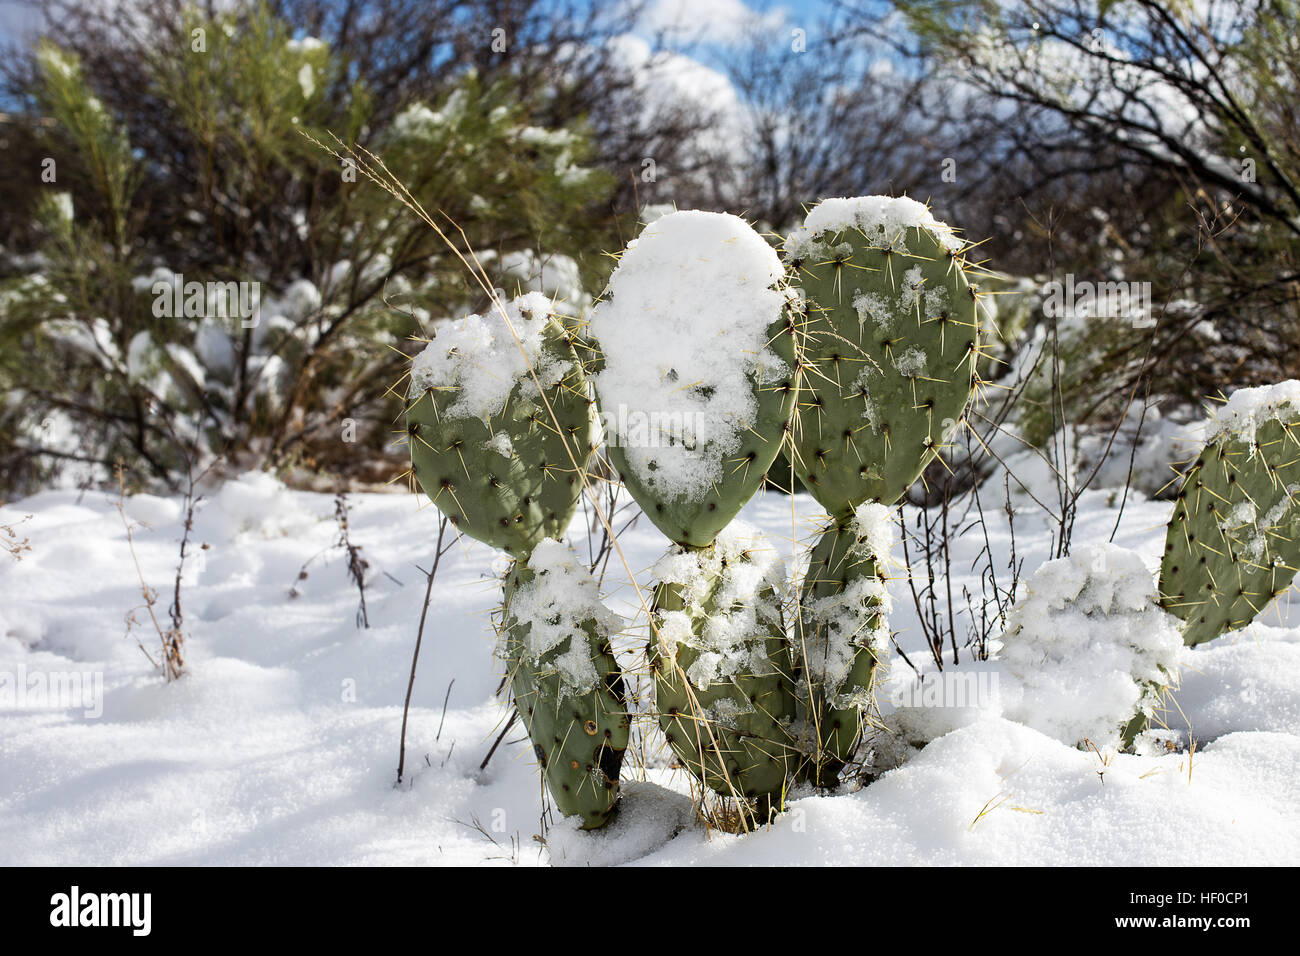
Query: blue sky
{"x": 15, "y": 18}
{"x": 718, "y": 22}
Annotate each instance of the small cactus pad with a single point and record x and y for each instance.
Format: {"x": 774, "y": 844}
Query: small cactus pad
{"x": 484, "y": 445}
{"x": 1233, "y": 542}
{"x": 889, "y": 342}
{"x": 844, "y": 634}
{"x": 724, "y": 690}
{"x": 555, "y": 639}
{"x": 695, "y": 374}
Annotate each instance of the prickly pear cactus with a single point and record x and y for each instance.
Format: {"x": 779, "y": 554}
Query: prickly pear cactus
{"x": 484, "y": 445}
{"x": 720, "y": 658}
{"x": 555, "y": 639}
{"x": 843, "y": 636}
{"x": 890, "y": 340}
{"x": 695, "y": 369}
{"x": 1233, "y": 542}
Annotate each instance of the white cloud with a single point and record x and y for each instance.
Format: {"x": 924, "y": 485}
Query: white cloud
{"x": 725, "y": 22}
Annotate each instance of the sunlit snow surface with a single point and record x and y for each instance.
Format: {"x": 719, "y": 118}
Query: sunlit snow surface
{"x": 280, "y": 746}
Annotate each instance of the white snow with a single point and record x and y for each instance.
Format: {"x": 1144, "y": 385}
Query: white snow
{"x": 741, "y": 565}
{"x": 280, "y": 746}
{"x": 858, "y": 615}
{"x": 1249, "y": 408}
{"x": 683, "y": 330}
{"x": 482, "y": 357}
{"x": 912, "y": 362}
{"x": 558, "y": 603}
{"x": 884, "y": 220}
{"x": 1087, "y": 642}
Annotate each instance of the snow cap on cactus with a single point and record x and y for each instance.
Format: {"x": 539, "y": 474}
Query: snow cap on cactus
{"x": 882, "y": 220}
{"x": 1090, "y": 646}
{"x": 696, "y": 360}
{"x": 1248, "y": 409}
{"x": 482, "y": 358}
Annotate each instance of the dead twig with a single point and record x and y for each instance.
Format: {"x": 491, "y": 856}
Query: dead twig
{"x": 439, "y": 550}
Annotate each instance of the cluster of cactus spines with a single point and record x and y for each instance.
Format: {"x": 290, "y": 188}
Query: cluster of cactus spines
{"x": 842, "y": 638}
{"x": 1233, "y": 543}
{"x": 565, "y": 681}
{"x": 889, "y": 347}
{"x": 511, "y": 477}
{"x": 723, "y": 678}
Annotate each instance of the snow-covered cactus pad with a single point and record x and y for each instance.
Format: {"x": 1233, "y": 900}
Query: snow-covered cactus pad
{"x": 1090, "y": 647}
{"x": 843, "y": 635}
{"x": 485, "y": 446}
{"x": 555, "y": 640}
{"x": 889, "y": 340}
{"x": 724, "y": 689}
{"x": 1233, "y": 542}
{"x": 694, "y": 369}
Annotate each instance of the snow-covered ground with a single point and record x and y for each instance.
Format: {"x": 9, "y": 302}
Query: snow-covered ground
{"x": 280, "y": 744}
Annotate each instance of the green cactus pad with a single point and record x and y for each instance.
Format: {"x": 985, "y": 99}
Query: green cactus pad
{"x": 564, "y": 680}
{"x": 844, "y": 635}
{"x": 1233, "y": 543}
{"x": 724, "y": 687}
{"x": 889, "y": 345}
{"x": 695, "y": 370}
{"x": 484, "y": 446}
